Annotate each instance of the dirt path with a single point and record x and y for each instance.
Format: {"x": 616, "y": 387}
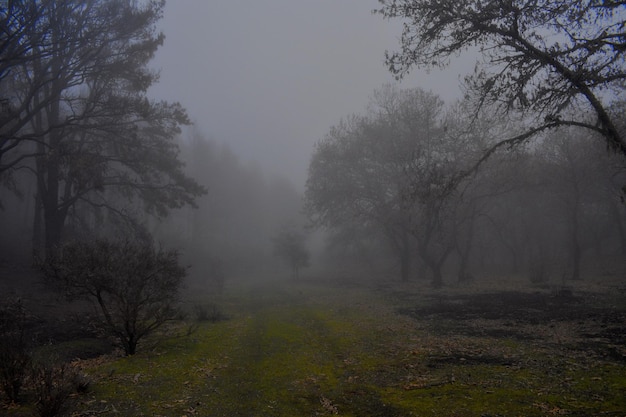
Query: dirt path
{"x": 306, "y": 350}
{"x": 296, "y": 357}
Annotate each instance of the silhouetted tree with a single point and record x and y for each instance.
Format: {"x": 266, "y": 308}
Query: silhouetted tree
{"x": 289, "y": 245}
{"x": 21, "y": 31}
{"x": 395, "y": 169}
{"x": 542, "y": 57}
{"x": 578, "y": 186}
{"x": 133, "y": 285}
{"x": 80, "y": 110}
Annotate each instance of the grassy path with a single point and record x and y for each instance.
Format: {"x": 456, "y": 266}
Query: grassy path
{"x": 282, "y": 355}
{"x": 309, "y": 351}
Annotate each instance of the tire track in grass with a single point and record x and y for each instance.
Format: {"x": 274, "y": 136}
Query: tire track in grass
{"x": 294, "y": 359}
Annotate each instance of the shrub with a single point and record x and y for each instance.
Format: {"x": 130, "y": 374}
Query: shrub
{"x": 14, "y": 354}
{"x": 133, "y": 285}
{"x": 210, "y": 312}
{"x": 53, "y": 386}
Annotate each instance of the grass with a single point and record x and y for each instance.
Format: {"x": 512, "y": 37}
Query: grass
{"x": 311, "y": 351}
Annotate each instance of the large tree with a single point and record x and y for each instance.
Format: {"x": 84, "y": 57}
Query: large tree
{"x": 393, "y": 169}
{"x": 561, "y": 61}
{"x": 20, "y": 29}
{"x": 80, "y": 110}
{"x": 356, "y": 178}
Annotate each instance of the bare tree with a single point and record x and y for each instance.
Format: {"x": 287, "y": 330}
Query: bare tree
{"x": 20, "y": 30}
{"x": 79, "y": 109}
{"x": 133, "y": 285}
{"x": 562, "y": 61}
{"x": 289, "y": 245}
{"x": 394, "y": 169}
{"x": 355, "y": 180}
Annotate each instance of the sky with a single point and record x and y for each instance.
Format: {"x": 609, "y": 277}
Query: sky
{"x": 271, "y": 77}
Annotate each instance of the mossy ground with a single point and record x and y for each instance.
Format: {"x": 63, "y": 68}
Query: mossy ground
{"x": 305, "y": 350}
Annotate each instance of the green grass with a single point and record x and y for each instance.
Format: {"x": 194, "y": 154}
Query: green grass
{"x": 309, "y": 351}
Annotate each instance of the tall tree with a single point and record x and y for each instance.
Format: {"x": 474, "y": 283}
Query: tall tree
{"x": 95, "y": 136}
{"x": 20, "y": 30}
{"x": 577, "y": 178}
{"x": 549, "y": 58}
{"x": 351, "y": 181}
{"x": 392, "y": 169}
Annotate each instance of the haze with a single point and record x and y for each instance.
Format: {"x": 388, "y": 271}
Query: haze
{"x": 322, "y": 239}
{"x": 270, "y": 78}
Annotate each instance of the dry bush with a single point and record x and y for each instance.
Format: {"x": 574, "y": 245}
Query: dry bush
{"x": 133, "y": 285}
{"x": 15, "y": 357}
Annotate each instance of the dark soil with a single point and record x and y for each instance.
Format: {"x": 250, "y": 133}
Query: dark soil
{"x": 584, "y": 321}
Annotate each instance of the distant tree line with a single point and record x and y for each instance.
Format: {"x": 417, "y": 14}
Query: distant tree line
{"x": 232, "y": 230}
{"x": 507, "y": 179}
{"x": 559, "y": 62}
{"x": 402, "y": 182}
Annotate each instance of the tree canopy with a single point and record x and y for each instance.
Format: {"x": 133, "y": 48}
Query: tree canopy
{"x": 393, "y": 169}
{"x": 561, "y": 61}
{"x": 75, "y": 77}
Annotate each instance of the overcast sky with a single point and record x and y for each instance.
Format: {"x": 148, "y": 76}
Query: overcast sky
{"x": 271, "y": 77}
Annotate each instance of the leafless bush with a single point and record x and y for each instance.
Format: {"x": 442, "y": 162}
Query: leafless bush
{"x": 53, "y": 385}
{"x": 133, "y": 286}
{"x": 209, "y": 312}
{"x": 15, "y": 357}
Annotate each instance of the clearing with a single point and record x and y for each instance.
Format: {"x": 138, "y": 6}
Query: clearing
{"x": 306, "y": 349}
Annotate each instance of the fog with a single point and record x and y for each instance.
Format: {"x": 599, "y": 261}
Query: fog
{"x": 268, "y": 88}
{"x": 269, "y": 78}
{"x": 219, "y": 207}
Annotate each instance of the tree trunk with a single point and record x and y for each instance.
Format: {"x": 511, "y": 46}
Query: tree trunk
{"x": 405, "y": 258}
{"x": 49, "y": 180}
{"x": 54, "y": 221}
{"x": 576, "y": 252}
{"x": 617, "y": 221}
{"x": 437, "y": 281}
{"x": 37, "y": 232}
{"x": 576, "y": 260}
{"x": 464, "y": 274}
{"x": 436, "y": 266}
{"x": 53, "y": 215}
{"x": 464, "y": 248}
{"x": 130, "y": 345}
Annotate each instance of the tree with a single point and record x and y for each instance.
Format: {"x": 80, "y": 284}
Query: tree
{"x": 18, "y": 22}
{"x": 349, "y": 184}
{"x": 81, "y": 112}
{"x": 577, "y": 181}
{"x": 289, "y": 245}
{"x": 133, "y": 285}
{"x": 550, "y": 59}
{"x": 394, "y": 169}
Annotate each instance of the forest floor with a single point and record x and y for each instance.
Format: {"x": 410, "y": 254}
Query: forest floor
{"x": 307, "y": 349}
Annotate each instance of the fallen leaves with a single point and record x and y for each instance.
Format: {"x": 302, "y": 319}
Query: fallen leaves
{"x": 328, "y": 406}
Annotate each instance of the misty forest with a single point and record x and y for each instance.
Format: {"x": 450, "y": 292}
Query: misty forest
{"x": 439, "y": 251}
